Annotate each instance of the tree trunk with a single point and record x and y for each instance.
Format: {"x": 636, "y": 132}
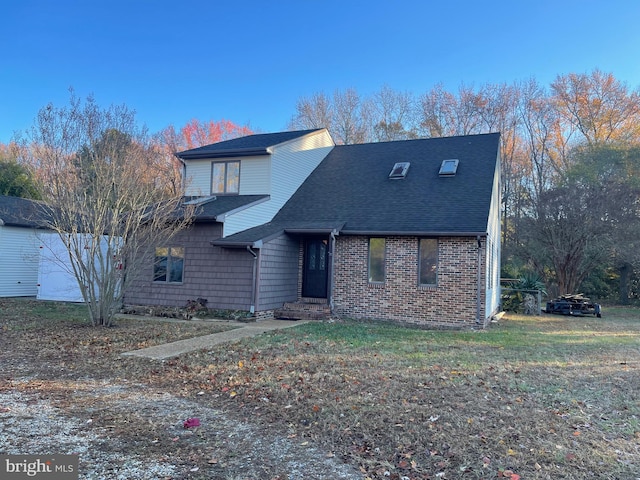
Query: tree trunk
{"x": 623, "y": 288}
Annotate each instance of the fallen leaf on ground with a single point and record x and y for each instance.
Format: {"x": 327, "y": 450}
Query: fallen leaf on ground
{"x": 191, "y": 422}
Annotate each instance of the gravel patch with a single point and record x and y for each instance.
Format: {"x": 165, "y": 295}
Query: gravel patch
{"x": 132, "y": 431}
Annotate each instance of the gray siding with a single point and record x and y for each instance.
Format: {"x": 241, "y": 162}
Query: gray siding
{"x": 278, "y": 273}
{"x": 222, "y": 276}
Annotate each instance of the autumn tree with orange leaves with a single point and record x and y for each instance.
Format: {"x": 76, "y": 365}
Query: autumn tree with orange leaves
{"x": 195, "y": 133}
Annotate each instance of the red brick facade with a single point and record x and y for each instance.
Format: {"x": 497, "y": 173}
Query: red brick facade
{"x": 453, "y": 301}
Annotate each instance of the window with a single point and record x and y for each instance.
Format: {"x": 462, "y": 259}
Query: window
{"x": 428, "y": 267}
{"x": 376, "y": 260}
{"x": 168, "y": 265}
{"x": 225, "y": 177}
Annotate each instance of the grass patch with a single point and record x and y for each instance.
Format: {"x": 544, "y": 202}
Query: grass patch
{"x": 539, "y": 397}
{"x": 544, "y": 397}
{"x": 46, "y": 335}
{"x": 27, "y": 314}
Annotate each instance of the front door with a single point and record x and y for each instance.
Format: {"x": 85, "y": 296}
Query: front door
{"x": 316, "y": 267}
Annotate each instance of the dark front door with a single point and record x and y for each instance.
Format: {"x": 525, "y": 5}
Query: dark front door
{"x": 316, "y": 267}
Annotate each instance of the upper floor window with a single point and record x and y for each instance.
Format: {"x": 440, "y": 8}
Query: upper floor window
{"x": 168, "y": 265}
{"x": 428, "y": 264}
{"x": 376, "y": 260}
{"x": 225, "y": 177}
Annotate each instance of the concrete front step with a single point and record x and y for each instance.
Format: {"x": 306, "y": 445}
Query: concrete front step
{"x": 304, "y": 310}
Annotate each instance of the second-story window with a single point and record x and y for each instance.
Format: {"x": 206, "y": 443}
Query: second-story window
{"x": 225, "y": 177}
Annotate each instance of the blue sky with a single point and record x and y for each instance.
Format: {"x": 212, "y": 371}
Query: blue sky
{"x": 250, "y": 61}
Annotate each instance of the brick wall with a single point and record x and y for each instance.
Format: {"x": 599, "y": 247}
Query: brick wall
{"x": 451, "y": 302}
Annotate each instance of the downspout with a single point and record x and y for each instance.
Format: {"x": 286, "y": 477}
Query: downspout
{"x": 332, "y": 246}
{"x": 479, "y": 281}
{"x": 252, "y": 309}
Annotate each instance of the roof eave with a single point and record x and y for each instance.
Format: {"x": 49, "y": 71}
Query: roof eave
{"x": 311, "y": 231}
{"x": 231, "y": 153}
{"x": 206, "y": 219}
{"x": 418, "y": 233}
{"x": 252, "y": 244}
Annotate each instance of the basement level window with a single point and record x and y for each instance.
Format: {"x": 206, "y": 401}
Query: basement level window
{"x": 448, "y": 168}
{"x": 399, "y": 170}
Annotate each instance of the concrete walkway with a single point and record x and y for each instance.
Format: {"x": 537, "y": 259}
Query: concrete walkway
{"x": 242, "y": 330}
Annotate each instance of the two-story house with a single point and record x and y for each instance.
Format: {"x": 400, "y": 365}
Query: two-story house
{"x": 288, "y": 224}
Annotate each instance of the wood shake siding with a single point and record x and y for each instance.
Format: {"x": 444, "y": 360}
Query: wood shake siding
{"x": 451, "y": 302}
{"x": 278, "y": 273}
{"x": 222, "y": 276}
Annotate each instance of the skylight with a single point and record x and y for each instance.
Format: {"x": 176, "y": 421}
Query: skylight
{"x": 448, "y": 168}
{"x": 399, "y": 170}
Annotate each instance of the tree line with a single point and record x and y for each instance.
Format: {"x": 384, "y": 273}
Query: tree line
{"x": 570, "y": 155}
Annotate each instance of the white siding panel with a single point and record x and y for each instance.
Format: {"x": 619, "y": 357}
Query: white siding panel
{"x": 198, "y": 175}
{"x": 19, "y": 252}
{"x": 255, "y": 175}
{"x": 55, "y": 278}
{"x": 290, "y": 166}
{"x": 493, "y": 241}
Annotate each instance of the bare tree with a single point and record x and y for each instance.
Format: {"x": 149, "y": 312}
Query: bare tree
{"x": 349, "y": 118}
{"x": 497, "y": 107}
{"x": 104, "y": 196}
{"x": 393, "y": 115}
{"x": 313, "y": 112}
{"x": 444, "y": 114}
{"x": 538, "y": 121}
{"x": 437, "y": 112}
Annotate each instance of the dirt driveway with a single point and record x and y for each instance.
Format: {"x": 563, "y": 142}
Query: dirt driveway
{"x": 67, "y": 389}
{"x": 130, "y": 431}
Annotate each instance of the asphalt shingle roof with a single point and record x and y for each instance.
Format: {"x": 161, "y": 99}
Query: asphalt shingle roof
{"x": 250, "y": 145}
{"x": 209, "y": 209}
{"x": 351, "y": 190}
{"x": 21, "y": 212}
{"x": 352, "y": 185}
